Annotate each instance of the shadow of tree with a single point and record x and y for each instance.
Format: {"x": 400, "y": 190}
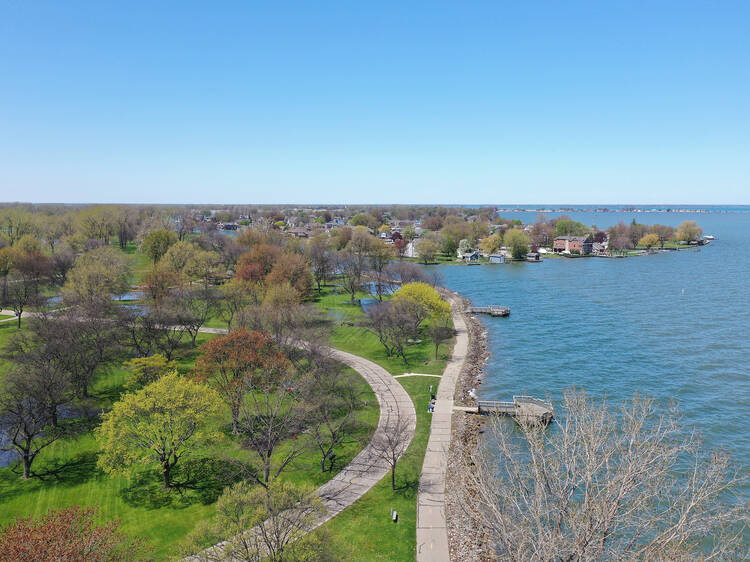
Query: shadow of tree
{"x": 195, "y": 481}
{"x": 409, "y": 487}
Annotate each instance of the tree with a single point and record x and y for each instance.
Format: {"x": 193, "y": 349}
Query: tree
{"x": 410, "y": 233}
{"x": 97, "y": 222}
{"x": 72, "y": 533}
{"x": 393, "y": 324}
{"x": 203, "y": 266}
{"x": 193, "y": 307}
{"x": 233, "y": 364}
{"x": 233, "y": 297}
{"x": 159, "y": 282}
{"x": 390, "y": 444}
{"x": 160, "y": 424}
{"x": 636, "y": 232}
{"x": 178, "y": 255}
{"x": 28, "y": 272}
{"x": 145, "y": 370}
{"x": 439, "y": 333}
{"x": 604, "y": 486}
{"x": 16, "y": 222}
{"x": 7, "y": 256}
{"x": 517, "y": 242}
{"x": 254, "y": 524}
{"x": 274, "y": 413}
{"x": 38, "y": 372}
{"x": 491, "y": 244}
{"x": 157, "y": 242}
{"x": 334, "y": 407}
{"x": 380, "y": 256}
{"x": 400, "y": 245}
{"x": 663, "y": 232}
{"x": 294, "y": 269}
{"x": 649, "y": 241}
{"x": 688, "y": 231}
{"x": 427, "y": 250}
{"x": 25, "y": 418}
{"x": 97, "y": 275}
{"x": 319, "y": 253}
{"x": 425, "y": 300}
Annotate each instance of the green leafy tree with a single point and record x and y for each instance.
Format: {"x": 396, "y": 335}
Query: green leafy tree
{"x": 427, "y": 250}
{"x": 492, "y": 243}
{"x": 649, "y": 241}
{"x": 518, "y": 243}
{"x": 688, "y": 231}
{"x": 156, "y": 243}
{"x": 97, "y": 276}
{"x": 160, "y": 424}
{"x": 145, "y": 370}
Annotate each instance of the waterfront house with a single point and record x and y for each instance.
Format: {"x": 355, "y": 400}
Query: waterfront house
{"x": 497, "y": 258}
{"x": 572, "y": 244}
{"x": 533, "y": 257}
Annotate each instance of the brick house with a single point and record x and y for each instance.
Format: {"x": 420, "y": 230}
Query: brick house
{"x": 573, "y": 244}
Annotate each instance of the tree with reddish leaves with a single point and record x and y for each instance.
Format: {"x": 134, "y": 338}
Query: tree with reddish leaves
{"x": 235, "y": 363}
{"x": 71, "y": 534}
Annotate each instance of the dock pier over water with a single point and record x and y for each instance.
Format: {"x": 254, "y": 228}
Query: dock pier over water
{"x": 523, "y": 409}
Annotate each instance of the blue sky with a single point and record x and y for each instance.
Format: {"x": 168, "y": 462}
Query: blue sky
{"x": 403, "y": 102}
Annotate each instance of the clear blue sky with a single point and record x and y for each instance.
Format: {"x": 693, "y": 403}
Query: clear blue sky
{"x": 403, "y": 102}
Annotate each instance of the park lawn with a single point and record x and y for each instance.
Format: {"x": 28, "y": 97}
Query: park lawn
{"x": 361, "y": 341}
{"x": 162, "y": 519}
{"x": 140, "y": 263}
{"x": 4, "y": 316}
{"x": 365, "y": 530}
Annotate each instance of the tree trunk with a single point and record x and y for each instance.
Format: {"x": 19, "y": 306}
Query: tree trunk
{"x": 393, "y": 478}
{"x": 235, "y": 419}
{"x": 19, "y": 320}
{"x": 27, "y": 460}
{"x": 167, "y": 473}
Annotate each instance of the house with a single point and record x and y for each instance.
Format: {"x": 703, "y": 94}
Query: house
{"x": 300, "y": 232}
{"x": 533, "y": 257}
{"x": 472, "y": 255}
{"x": 497, "y": 258}
{"x": 599, "y": 248}
{"x": 572, "y": 245}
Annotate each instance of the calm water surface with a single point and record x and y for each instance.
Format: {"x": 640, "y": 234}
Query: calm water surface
{"x": 674, "y": 325}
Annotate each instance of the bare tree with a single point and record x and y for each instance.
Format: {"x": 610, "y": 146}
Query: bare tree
{"x": 440, "y": 333}
{"x": 274, "y": 413}
{"x": 391, "y": 444}
{"x": 604, "y": 485}
{"x": 24, "y": 418}
{"x": 334, "y": 400}
{"x": 192, "y": 308}
{"x": 392, "y": 322}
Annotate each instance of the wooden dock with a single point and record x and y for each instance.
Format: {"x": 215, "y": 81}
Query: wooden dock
{"x": 523, "y": 409}
{"x": 492, "y": 310}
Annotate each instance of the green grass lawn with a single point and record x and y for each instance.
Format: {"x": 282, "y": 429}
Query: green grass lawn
{"x": 361, "y": 341}
{"x": 162, "y": 518}
{"x": 365, "y": 530}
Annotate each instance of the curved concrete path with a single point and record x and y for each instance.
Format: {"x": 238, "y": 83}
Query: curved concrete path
{"x": 432, "y": 531}
{"x": 368, "y": 467}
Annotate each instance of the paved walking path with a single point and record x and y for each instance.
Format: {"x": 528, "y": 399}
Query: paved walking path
{"x": 432, "y": 531}
{"x": 367, "y": 468}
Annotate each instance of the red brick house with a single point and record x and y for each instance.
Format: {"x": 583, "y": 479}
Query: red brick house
{"x": 572, "y": 244}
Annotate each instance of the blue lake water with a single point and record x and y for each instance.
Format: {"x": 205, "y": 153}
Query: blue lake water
{"x": 673, "y": 325}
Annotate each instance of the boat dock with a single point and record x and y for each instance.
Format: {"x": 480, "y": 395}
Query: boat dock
{"x": 492, "y": 310}
{"x": 523, "y": 409}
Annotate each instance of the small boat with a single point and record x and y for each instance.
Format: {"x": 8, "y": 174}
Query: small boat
{"x": 709, "y": 237}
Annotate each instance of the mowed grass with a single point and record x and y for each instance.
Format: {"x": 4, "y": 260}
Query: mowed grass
{"x": 361, "y": 341}
{"x": 161, "y": 518}
{"x": 365, "y": 530}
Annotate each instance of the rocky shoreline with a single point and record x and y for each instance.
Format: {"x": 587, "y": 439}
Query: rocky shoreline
{"x": 464, "y": 538}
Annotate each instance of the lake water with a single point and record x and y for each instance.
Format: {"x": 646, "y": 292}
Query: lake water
{"x": 674, "y": 325}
